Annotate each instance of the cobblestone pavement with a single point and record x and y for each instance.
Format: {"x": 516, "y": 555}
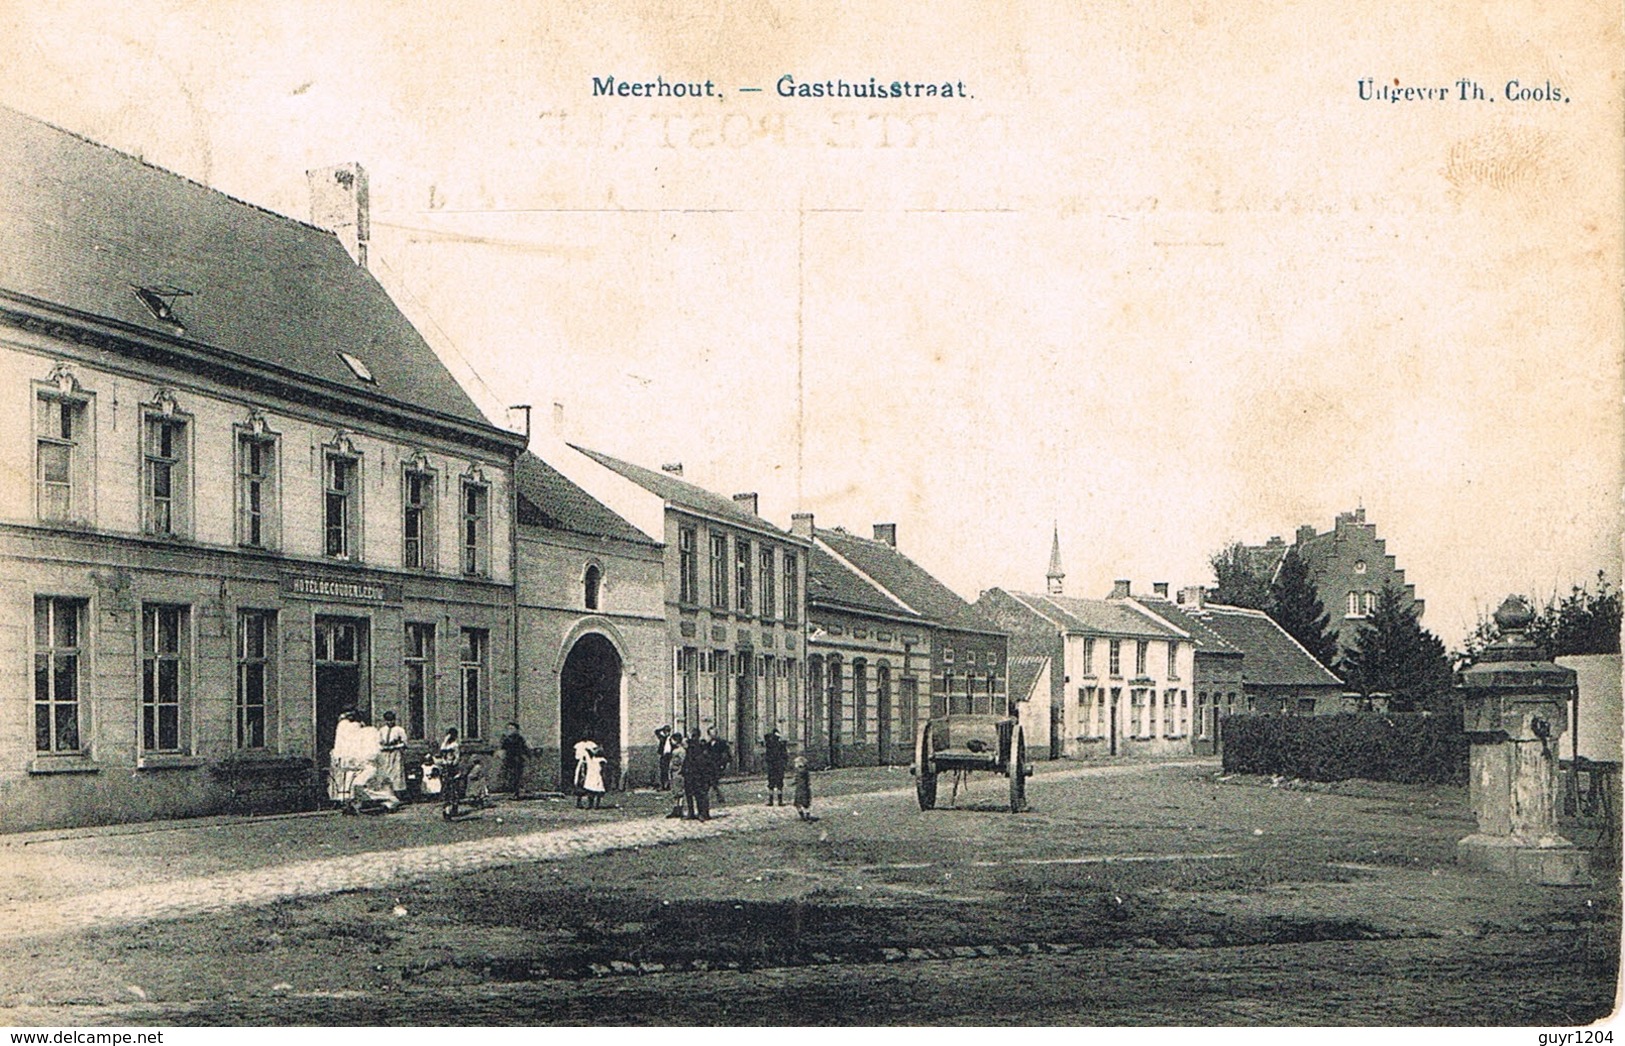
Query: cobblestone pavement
{"x": 165, "y": 896}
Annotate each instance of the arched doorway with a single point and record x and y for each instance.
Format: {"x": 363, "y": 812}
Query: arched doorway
{"x": 589, "y": 703}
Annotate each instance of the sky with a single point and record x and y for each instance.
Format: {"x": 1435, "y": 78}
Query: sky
{"x": 1161, "y": 280}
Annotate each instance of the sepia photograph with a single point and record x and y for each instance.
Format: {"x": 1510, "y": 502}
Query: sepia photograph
{"x": 788, "y": 515}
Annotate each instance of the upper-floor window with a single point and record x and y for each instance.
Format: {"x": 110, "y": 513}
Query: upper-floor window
{"x": 256, "y": 490}
{"x": 590, "y": 583}
{"x": 1139, "y": 656}
{"x": 767, "y": 581}
{"x": 58, "y": 644}
{"x": 342, "y": 505}
{"x": 688, "y": 571}
{"x": 742, "y": 576}
{"x": 1114, "y": 657}
{"x": 165, "y": 478}
{"x": 1173, "y": 660}
{"x": 1368, "y": 603}
{"x": 417, "y": 518}
{"x": 1088, "y": 655}
{"x": 948, "y": 655}
{"x": 719, "y": 571}
{"x": 476, "y": 532}
{"x": 62, "y": 449}
{"x": 1353, "y": 605}
{"x": 792, "y": 588}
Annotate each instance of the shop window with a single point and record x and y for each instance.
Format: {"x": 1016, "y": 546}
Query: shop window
{"x": 58, "y": 703}
{"x": 472, "y": 658}
{"x": 165, "y": 678}
{"x": 256, "y": 663}
{"x": 419, "y": 665}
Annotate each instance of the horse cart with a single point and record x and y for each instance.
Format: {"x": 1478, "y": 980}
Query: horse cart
{"x": 959, "y": 744}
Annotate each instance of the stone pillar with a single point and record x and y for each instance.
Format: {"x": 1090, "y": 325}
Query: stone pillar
{"x": 1515, "y": 707}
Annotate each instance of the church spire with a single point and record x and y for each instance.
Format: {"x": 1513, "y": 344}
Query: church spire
{"x": 1055, "y": 572}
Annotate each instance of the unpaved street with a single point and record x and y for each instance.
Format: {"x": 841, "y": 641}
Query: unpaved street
{"x": 1128, "y": 895}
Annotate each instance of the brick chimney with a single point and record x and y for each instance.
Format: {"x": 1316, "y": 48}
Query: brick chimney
{"x": 1159, "y": 589}
{"x": 1120, "y": 589}
{"x": 746, "y": 502}
{"x": 1305, "y": 533}
{"x": 801, "y": 525}
{"x": 674, "y": 468}
{"x": 1192, "y": 597}
{"x": 886, "y": 532}
{"x": 339, "y": 203}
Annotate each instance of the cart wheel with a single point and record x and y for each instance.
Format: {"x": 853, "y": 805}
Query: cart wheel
{"x": 1018, "y": 777}
{"x": 925, "y": 788}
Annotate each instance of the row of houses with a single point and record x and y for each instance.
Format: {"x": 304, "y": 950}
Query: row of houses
{"x": 242, "y": 495}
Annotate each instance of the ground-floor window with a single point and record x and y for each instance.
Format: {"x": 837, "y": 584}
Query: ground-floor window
{"x": 418, "y": 662}
{"x": 58, "y": 635}
{"x": 165, "y": 671}
{"x": 471, "y": 658}
{"x": 256, "y": 649}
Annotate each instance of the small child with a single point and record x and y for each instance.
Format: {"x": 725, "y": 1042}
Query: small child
{"x": 803, "y": 798}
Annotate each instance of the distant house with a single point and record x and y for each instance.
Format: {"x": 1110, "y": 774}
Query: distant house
{"x": 592, "y": 655}
{"x": 1597, "y": 726}
{"x": 1119, "y": 677}
{"x": 880, "y": 626}
{"x": 1349, "y": 565}
{"x": 734, "y": 601}
{"x": 1277, "y": 673}
{"x": 1218, "y": 680}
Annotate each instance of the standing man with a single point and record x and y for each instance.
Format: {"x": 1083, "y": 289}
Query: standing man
{"x": 776, "y": 754}
{"x": 663, "y": 745}
{"x": 514, "y": 753}
{"x": 698, "y": 767}
{"x": 721, "y": 752}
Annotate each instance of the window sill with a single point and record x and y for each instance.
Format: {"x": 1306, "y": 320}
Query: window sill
{"x": 168, "y": 762}
{"x": 64, "y": 764}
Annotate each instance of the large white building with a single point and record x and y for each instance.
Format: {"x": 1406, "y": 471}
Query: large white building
{"x": 240, "y": 494}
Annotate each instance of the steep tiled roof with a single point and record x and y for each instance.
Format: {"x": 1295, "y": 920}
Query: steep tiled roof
{"x": 1271, "y": 656}
{"x": 548, "y": 499}
{"x": 900, "y": 576}
{"x": 680, "y": 492}
{"x": 1205, "y": 639}
{"x": 1024, "y": 672}
{"x": 1100, "y": 616}
{"x": 82, "y": 226}
{"x": 831, "y": 582}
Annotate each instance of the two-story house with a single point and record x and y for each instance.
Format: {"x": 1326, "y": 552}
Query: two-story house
{"x": 242, "y": 495}
{"x": 734, "y": 598}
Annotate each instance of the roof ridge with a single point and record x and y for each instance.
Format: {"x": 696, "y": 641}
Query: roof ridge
{"x": 849, "y": 565}
{"x": 143, "y": 161}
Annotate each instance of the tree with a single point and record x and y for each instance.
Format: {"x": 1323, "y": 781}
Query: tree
{"x": 1236, "y": 582}
{"x": 1296, "y": 607}
{"x": 1583, "y": 622}
{"x": 1394, "y": 655}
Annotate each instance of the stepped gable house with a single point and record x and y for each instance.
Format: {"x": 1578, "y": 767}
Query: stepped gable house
{"x": 242, "y": 495}
{"x": 888, "y": 646}
{"x": 734, "y": 602}
{"x": 1348, "y": 566}
{"x": 591, "y": 619}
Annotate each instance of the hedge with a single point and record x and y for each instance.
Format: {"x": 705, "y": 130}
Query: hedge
{"x": 1408, "y": 747}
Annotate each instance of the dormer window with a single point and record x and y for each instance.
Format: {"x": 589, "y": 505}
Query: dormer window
{"x": 160, "y": 301}
{"x": 358, "y": 368}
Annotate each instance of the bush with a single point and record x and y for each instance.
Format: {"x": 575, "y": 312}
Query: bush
{"x": 1407, "y": 747}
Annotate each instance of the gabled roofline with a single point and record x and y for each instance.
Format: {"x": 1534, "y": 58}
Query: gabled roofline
{"x": 1148, "y": 612}
{"x": 1250, "y": 612}
{"x": 849, "y": 565}
{"x": 228, "y": 368}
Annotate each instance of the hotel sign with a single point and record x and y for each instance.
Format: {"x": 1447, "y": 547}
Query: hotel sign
{"x": 340, "y": 590}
